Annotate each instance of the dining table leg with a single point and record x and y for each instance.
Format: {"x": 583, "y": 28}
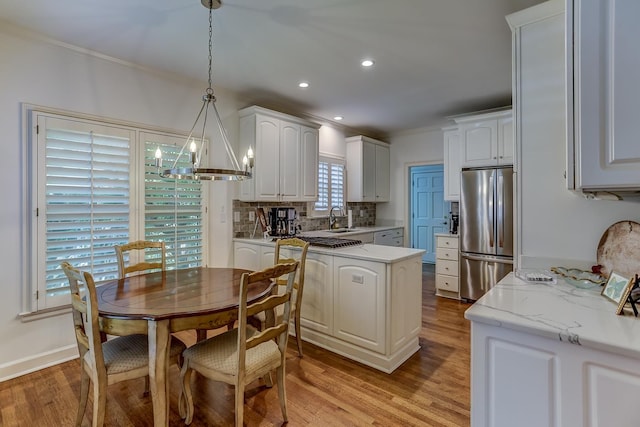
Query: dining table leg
{"x": 159, "y": 339}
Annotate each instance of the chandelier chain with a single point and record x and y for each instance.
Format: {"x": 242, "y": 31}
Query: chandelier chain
{"x": 210, "y": 44}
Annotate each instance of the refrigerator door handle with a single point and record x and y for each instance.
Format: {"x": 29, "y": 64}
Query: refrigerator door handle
{"x": 500, "y": 210}
{"x": 491, "y": 210}
{"x": 487, "y": 258}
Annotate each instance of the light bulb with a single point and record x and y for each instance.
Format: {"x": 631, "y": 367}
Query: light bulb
{"x": 158, "y": 158}
{"x": 245, "y": 161}
{"x": 250, "y": 153}
{"x": 192, "y": 146}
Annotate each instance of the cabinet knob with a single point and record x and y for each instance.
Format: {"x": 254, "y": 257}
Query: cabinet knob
{"x": 494, "y": 157}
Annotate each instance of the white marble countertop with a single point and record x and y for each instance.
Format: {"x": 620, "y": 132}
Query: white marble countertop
{"x": 352, "y": 232}
{"x": 369, "y": 252}
{"x": 561, "y": 312}
{"x": 445, "y": 234}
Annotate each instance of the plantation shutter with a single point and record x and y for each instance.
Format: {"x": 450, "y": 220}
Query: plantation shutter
{"x": 322, "y": 204}
{"x": 331, "y": 185}
{"x": 83, "y": 201}
{"x": 337, "y": 185}
{"x": 173, "y": 209}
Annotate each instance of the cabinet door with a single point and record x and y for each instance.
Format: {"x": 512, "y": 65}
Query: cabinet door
{"x": 452, "y": 166}
{"x": 359, "y": 308}
{"x": 606, "y": 100}
{"x": 479, "y": 143}
{"x": 247, "y": 256}
{"x": 368, "y": 172}
{"x": 309, "y": 164}
{"x": 289, "y": 160}
{"x": 505, "y": 141}
{"x": 266, "y": 174}
{"x": 382, "y": 173}
{"x": 316, "y": 311}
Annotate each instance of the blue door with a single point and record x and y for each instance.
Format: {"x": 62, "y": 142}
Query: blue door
{"x": 428, "y": 208}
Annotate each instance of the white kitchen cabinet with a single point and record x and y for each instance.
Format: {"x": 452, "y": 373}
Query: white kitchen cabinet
{"x": 447, "y": 266}
{"x": 359, "y": 316}
{"x": 286, "y": 156}
{"x": 247, "y": 256}
{"x": 452, "y": 164}
{"x": 391, "y": 237}
{"x": 368, "y": 174}
{"x": 556, "y": 382}
{"x": 486, "y": 139}
{"x": 316, "y": 312}
{"x": 604, "y": 94}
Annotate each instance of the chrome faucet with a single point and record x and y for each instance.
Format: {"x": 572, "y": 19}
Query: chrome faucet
{"x": 332, "y": 218}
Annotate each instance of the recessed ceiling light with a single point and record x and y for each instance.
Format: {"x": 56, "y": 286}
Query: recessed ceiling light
{"x": 338, "y": 118}
{"x": 303, "y": 85}
{"x": 367, "y": 63}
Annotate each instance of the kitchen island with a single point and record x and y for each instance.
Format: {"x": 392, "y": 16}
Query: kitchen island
{"x": 552, "y": 355}
{"x": 363, "y": 302}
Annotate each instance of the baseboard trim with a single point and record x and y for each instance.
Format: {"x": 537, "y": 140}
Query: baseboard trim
{"x": 27, "y": 365}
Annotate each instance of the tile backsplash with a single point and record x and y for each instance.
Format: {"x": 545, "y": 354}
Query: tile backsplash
{"x": 364, "y": 215}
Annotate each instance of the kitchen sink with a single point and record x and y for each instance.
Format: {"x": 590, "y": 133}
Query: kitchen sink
{"x": 341, "y": 230}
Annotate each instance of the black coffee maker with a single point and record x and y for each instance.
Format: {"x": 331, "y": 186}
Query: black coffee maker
{"x": 453, "y": 223}
{"x": 282, "y": 221}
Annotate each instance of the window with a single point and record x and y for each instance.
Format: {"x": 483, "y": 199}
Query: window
{"x": 90, "y": 192}
{"x": 331, "y": 186}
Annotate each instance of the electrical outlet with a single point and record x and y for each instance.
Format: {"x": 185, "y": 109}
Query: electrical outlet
{"x": 361, "y": 213}
{"x": 236, "y": 216}
{"x": 252, "y": 216}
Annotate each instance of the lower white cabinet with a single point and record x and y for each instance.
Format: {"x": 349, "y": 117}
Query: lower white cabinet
{"x": 366, "y": 310}
{"x": 447, "y": 266}
{"x": 530, "y": 381}
{"x": 359, "y": 302}
{"x": 391, "y": 237}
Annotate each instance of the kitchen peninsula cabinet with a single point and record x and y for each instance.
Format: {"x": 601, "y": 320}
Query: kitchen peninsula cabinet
{"x": 486, "y": 139}
{"x": 363, "y": 302}
{"x": 286, "y": 156}
{"x": 552, "y": 355}
{"x": 368, "y": 174}
{"x": 604, "y": 100}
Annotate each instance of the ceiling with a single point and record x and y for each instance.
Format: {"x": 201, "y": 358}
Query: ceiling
{"x": 433, "y": 58}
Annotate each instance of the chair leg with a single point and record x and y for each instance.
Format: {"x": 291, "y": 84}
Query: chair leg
{"x": 99, "y": 402}
{"x": 201, "y": 335}
{"x": 85, "y": 381}
{"x": 282, "y": 392}
{"x": 239, "y": 404}
{"x": 147, "y": 386}
{"x": 185, "y": 400}
{"x": 298, "y": 336}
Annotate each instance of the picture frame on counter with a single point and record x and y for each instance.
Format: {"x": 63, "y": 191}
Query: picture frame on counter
{"x": 617, "y": 289}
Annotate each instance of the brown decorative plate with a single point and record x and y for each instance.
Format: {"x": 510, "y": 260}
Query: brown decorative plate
{"x": 619, "y": 249}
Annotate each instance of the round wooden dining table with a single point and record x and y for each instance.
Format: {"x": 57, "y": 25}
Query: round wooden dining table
{"x": 163, "y": 302}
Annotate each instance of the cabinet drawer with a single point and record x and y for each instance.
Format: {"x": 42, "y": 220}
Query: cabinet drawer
{"x": 389, "y": 234}
{"x": 447, "y": 267}
{"x": 447, "y": 283}
{"x": 447, "y": 254}
{"x": 447, "y": 242}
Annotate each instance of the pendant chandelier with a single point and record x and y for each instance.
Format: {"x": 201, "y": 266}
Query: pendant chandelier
{"x": 196, "y": 171}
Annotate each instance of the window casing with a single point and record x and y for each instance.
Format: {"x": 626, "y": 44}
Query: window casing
{"x": 94, "y": 185}
{"x": 331, "y": 186}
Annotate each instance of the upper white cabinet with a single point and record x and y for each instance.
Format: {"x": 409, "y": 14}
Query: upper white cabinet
{"x": 604, "y": 94}
{"x": 486, "y": 139}
{"x": 452, "y": 164}
{"x": 368, "y": 177}
{"x": 286, "y": 156}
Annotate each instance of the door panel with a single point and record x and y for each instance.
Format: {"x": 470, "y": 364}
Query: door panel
{"x": 428, "y": 208}
{"x": 476, "y": 211}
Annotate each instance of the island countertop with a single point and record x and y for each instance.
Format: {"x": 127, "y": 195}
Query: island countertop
{"x": 369, "y": 252}
{"x": 561, "y": 312}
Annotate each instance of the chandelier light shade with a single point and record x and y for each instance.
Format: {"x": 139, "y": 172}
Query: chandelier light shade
{"x": 195, "y": 148}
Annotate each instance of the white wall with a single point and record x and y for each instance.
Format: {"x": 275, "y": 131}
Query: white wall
{"x": 416, "y": 147}
{"x": 332, "y": 141}
{"x": 41, "y": 73}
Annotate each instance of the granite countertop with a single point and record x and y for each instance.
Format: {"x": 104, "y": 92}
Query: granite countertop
{"x": 368, "y": 252}
{"x": 561, "y": 312}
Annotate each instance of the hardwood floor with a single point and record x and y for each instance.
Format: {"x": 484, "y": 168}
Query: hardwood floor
{"x": 323, "y": 389}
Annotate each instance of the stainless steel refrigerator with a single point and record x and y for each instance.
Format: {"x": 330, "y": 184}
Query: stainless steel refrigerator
{"x": 486, "y": 229}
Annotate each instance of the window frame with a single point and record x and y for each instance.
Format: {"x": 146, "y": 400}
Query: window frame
{"x": 35, "y": 298}
{"x": 312, "y": 212}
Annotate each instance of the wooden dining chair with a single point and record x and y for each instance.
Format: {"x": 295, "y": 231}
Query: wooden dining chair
{"x": 298, "y": 285}
{"x": 104, "y": 363}
{"x": 244, "y": 354}
{"x": 144, "y": 265}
